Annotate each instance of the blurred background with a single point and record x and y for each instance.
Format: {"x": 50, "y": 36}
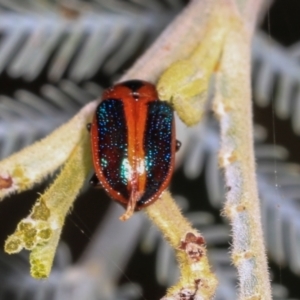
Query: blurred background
{"x": 55, "y": 56}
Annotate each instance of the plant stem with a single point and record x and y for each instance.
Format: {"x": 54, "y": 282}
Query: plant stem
{"x": 232, "y": 105}
{"x": 176, "y": 42}
{"x": 196, "y": 277}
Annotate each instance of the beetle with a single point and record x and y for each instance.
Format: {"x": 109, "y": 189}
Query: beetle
{"x": 133, "y": 144}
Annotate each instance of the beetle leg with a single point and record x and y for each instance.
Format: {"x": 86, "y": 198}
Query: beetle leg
{"x": 88, "y": 126}
{"x": 178, "y": 145}
{"x": 94, "y": 181}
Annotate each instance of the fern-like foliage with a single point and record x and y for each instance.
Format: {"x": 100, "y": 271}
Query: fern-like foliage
{"x": 97, "y": 35}
{"x": 276, "y": 67}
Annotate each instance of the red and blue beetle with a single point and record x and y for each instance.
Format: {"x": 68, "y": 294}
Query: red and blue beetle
{"x": 133, "y": 144}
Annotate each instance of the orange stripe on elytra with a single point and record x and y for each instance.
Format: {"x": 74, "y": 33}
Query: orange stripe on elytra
{"x": 135, "y": 114}
{"x": 141, "y": 120}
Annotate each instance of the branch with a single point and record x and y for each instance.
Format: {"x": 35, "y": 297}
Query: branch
{"x": 23, "y": 170}
{"x": 232, "y": 104}
{"x": 196, "y": 278}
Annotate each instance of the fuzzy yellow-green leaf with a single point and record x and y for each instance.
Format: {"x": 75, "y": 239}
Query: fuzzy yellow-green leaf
{"x": 186, "y": 82}
{"x": 41, "y": 257}
{"x": 40, "y": 231}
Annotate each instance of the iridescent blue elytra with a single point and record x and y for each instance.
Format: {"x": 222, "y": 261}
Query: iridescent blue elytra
{"x": 158, "y": 147}
{"x": 112, "y": 139}
{"x": 133, "y": 144}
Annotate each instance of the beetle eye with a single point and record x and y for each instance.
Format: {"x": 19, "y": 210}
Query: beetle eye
{"x": 178, "y": 145}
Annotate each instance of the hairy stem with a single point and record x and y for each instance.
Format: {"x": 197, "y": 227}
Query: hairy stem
{"x": 176, "y": 42}
{"x": 196, "y": 277}
{"x": 232, "y": 105}
{"x": 33, "y": 164}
